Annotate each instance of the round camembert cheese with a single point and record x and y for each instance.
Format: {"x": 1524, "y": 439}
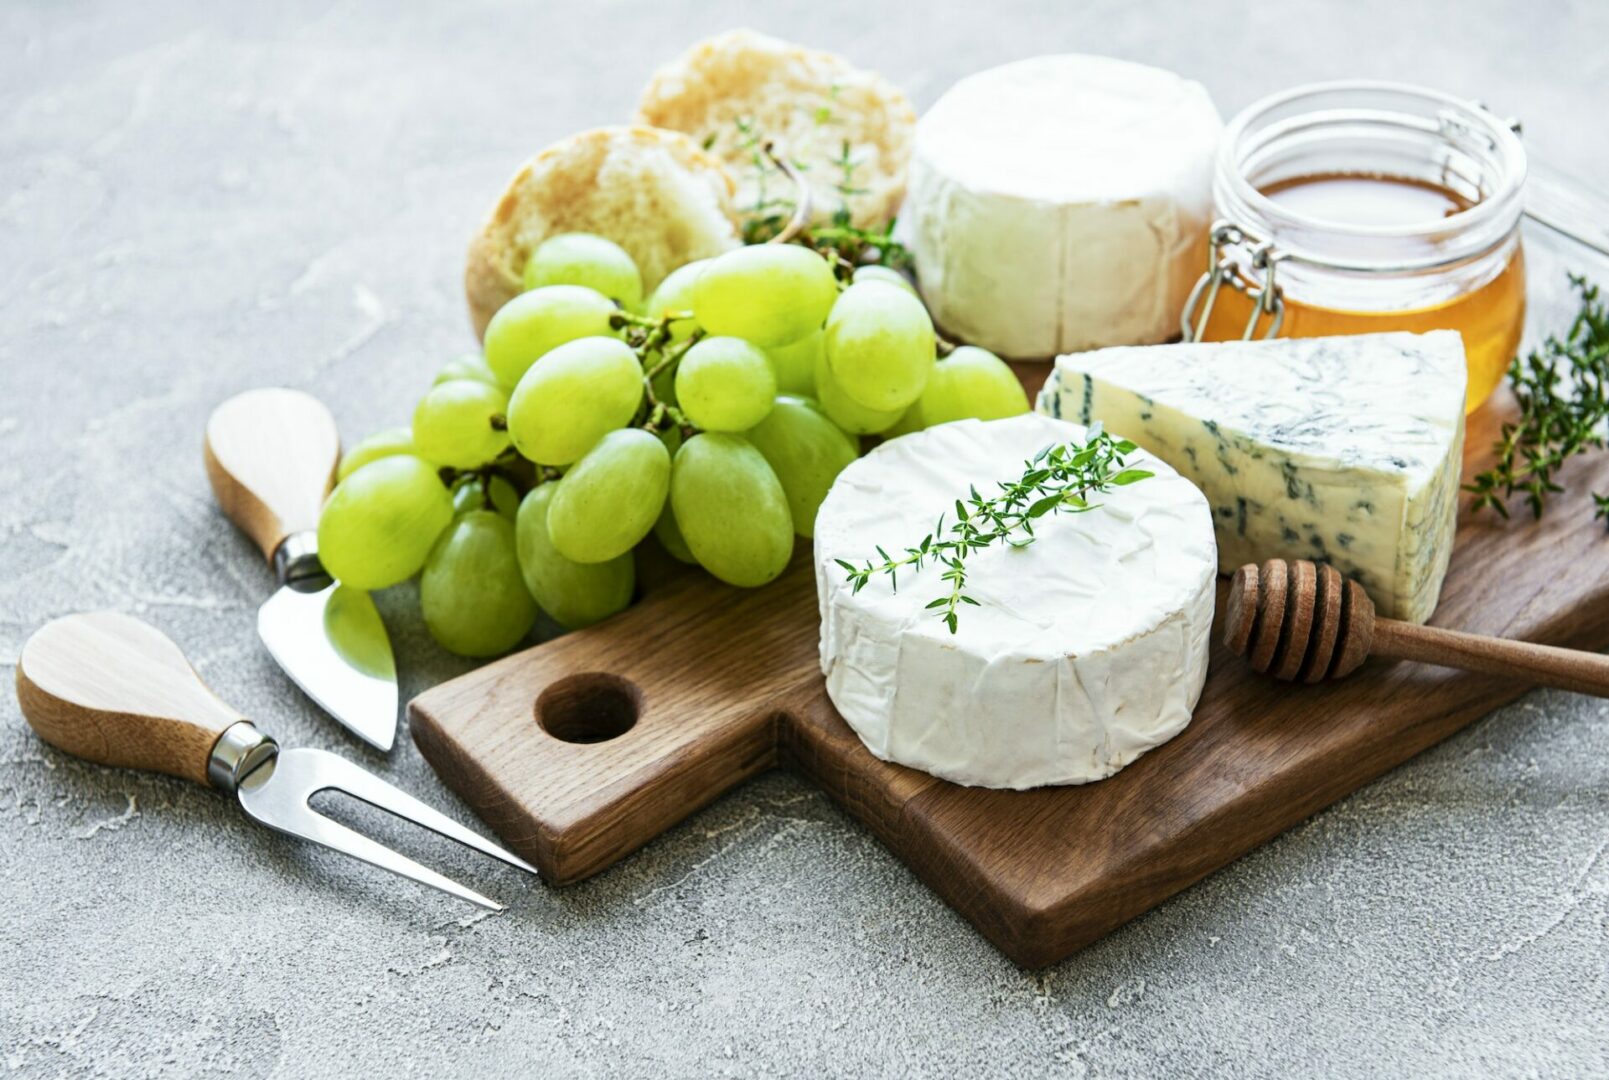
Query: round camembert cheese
{"x": 1062, "y": 203}
{"x": 1086, "y": 648}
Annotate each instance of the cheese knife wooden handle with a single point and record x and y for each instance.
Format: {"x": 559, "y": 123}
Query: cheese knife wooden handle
{"x": 271, "y": 456}
{"x": 111, "y": 689}
{"x": 1298, "y": 620}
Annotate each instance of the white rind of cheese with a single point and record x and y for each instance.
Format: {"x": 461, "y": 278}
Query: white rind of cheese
{"x": 1087, "y": 648}
{"x": 1345, "y": 450}
{"x": 1062, "y": 203}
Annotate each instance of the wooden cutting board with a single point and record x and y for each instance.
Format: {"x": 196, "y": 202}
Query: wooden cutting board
{"x": 581, "y": 750}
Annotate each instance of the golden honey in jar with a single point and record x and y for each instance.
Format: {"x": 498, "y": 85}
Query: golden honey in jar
{"x": 1378, "y": 207}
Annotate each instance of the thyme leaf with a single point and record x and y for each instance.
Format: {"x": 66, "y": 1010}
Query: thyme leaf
{"x": 1060, "y": 479}
{"x": 1563, "y": 392}
{"x": 837, "y": 239}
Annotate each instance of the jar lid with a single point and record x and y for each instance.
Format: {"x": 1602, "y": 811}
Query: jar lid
{"x": 1381, "y": 128}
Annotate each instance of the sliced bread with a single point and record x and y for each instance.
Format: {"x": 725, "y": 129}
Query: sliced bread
{"x": 733, "y": 91}
{"x": 655, "y": 193}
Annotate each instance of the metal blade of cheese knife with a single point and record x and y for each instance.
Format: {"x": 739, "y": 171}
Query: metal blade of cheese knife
{"x": 277, "y": 794}
{"x": 332, "y": 644}
{"x": 272, "y": 457}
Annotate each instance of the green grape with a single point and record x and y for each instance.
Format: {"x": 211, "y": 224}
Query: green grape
{"x": 574, "y": 594}
{"x": 468, "y": 366}
{"x": 379, "y": 524}
{"x": 383, "y": 443}
{"x": 845, "y": 411}
{"x": 670, "y": 537}
{"x": 469, "y": 493}
{"x": 731, "y": 509}
{"x": 462, "y": 423}
{"x": 471, "y": 594}
{"x": 795, "y": 364}
{"x": 675, "y": 294}
{"x": 725, "y": 384}
{"x": 584, "y": 259}
{"x": 807, "y": 451}
{"x": 527, "y": 327}
{"x": 769, "y": 294}
{"x": 574, "y": 396}
{"x": 353, "y": 627}
{"x": 885, "y": 274}
{"x": 879, "y": 345}
{"x": 970, "y": 383}
{"x": 610, "y": 500}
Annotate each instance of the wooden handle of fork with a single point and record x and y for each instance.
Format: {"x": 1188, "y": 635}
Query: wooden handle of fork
{"x": 1544, "y": 665}
{"x": 271, "y": 456}
{"x": 111, "y": 689}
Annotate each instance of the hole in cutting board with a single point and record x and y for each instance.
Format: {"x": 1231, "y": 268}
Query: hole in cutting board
{"x": 591, "y": 707}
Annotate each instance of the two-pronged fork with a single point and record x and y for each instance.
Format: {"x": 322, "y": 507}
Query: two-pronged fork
{"x": 114, "y": 690}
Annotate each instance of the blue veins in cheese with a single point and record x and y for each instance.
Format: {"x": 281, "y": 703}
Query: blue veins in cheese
{"x": 1344, "y": 450}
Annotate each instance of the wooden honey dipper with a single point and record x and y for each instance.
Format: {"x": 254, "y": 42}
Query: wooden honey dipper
{"x": 1301, "y": 621}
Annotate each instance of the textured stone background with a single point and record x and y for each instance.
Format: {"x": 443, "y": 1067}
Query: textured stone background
{"x": 195, "y": 199}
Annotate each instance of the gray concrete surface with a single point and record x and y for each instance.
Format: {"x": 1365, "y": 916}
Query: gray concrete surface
{"x": 198, "y": 198}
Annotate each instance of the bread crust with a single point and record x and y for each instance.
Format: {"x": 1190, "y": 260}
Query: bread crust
{"x": 808, "y": 101}
{"x": 681, "y": 209}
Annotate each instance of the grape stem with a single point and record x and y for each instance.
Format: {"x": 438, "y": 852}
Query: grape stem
{"x": 658, "y": 412}
{"x": 672, "y": 357}
{"x": 497, "y": 468}
{"x": 623, "y": 318}
{"x": 645, "y": 334}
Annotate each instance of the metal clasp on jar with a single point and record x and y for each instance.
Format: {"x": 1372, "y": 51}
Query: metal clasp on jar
{"x": 1256, "y": 276}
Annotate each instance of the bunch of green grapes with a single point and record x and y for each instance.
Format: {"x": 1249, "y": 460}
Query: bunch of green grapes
{"x": 710, "y": 419}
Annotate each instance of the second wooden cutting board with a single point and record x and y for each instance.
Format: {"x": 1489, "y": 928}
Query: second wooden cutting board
{"x": 579, "y": 751}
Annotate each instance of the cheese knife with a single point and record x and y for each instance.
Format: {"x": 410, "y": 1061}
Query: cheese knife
{"x": 271, "y": 456}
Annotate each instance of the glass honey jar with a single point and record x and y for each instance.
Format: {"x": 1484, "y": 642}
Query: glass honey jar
{"x": 1355, "y": 207}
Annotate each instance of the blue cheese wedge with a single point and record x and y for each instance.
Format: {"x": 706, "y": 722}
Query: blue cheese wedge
{"x": 1085, "y": 649}
{"x": 1344, "y": 450}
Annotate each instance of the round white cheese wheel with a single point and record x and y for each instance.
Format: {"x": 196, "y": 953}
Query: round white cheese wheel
{"x": 1086, "y": 648}
{"x": 1062, "y": 203}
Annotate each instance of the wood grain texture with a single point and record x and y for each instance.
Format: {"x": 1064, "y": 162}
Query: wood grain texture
{"x": 1522, "y": 661}
{"x": 730, "y": 683}
{"x": 271, "y": 456}
{"x": 710, "y": 672}
{"x": 111, "y": 689}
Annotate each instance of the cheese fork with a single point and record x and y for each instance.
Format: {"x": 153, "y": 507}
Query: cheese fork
{"x": 114, "y": 690}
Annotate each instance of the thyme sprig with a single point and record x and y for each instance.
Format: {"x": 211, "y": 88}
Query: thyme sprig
{"x": 1060, "y": 479}
{"x": 1563, "y": 392}
{"x": 847, "y": 246}
{"x": 838, "y": 239}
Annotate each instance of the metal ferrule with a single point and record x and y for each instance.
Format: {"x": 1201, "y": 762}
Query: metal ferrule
{"x": 296, "y": 563}
{"x": 239, "y": 750}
